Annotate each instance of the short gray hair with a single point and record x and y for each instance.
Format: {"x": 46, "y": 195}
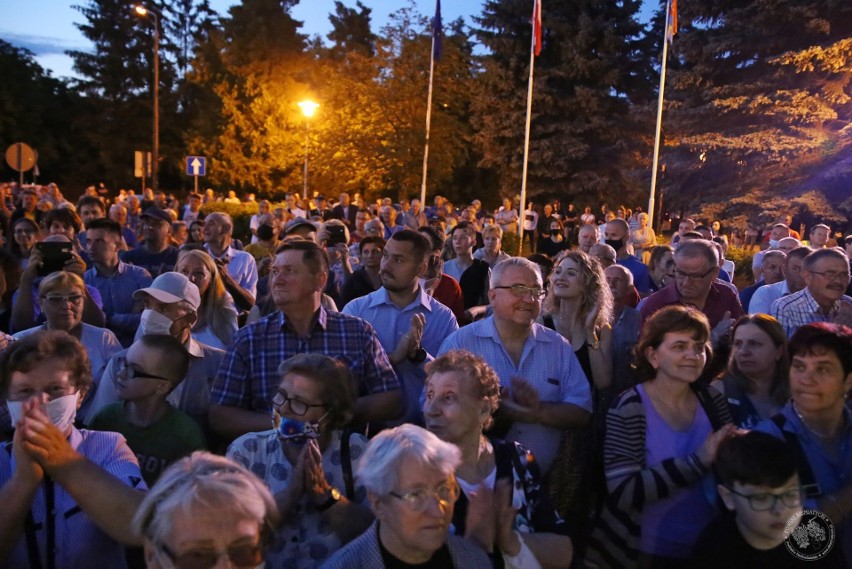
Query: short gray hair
{"x": 500, "y": 268}
{"x": 693, "y": 248}
{"x": 205, "y": 481}
{"x": 625, "y": 272}
{"x": 224, "y": 217}
{"x": 378, "y": 468}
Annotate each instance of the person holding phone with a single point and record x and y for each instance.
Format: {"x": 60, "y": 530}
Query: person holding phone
{"x": 53, "y": 254}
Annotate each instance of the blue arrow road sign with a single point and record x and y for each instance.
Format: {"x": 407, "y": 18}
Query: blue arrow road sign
{"x": 196, "y": 166}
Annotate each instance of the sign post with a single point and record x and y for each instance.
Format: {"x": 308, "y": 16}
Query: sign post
{"x": 196, "y": 166}
{"x": 141, "y": 166}
{"x": 20, "y": 157}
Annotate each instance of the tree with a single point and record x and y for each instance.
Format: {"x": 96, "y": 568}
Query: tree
{"x": 760, "y": 91}
{"x": 35, "y": 108}
{"x": 351, "y": 31}
{"x": 584, "y": 140}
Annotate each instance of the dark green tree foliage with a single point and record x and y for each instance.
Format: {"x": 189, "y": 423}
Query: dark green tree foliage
{"x": 351, "y": 31}
{"x": 584, "y": 143}
{"x": 117, "y": 85}
{"x": 757, "y": 101}
{"x": 35, "y": 108}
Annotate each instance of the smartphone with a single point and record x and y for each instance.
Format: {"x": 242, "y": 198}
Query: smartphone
{"x": 54, "y": 255}
{"x": 336, "y": 235}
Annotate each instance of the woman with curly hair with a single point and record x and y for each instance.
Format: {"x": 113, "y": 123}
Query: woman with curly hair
{"x": 217, "y": 315}
{"x": 578, "y": 305}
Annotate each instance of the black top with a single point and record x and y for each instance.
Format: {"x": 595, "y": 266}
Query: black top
{"x": 440, "y": 559}
{"x": 722, "y": 546}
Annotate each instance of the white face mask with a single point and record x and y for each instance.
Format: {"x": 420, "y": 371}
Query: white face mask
{"x": 155, "y": 323}
{"x": 61, "y": 411}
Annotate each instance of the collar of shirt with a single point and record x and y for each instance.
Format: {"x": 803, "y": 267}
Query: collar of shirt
{"x": 381, "y": 297}
{"x": 194, "y": 348}
{"x": 226, "y": 256}
{"x": 119, "y": 270}
{"x": 488, "y": 329}
{"x": 320, "y": 320}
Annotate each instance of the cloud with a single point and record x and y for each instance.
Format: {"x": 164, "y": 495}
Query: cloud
{"x": 42, "y": 45}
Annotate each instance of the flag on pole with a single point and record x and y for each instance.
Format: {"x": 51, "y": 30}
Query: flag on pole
{"x": 437, "y": 33}
{"x": 671, "y": 20}
{"x": 536, "y": 24}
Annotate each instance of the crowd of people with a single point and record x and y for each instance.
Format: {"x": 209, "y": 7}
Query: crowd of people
{"x": 355, "y": 384}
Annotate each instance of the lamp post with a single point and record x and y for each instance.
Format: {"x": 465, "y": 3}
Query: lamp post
{"x": 308, "y": 109}
{"x": 155, "y": 150}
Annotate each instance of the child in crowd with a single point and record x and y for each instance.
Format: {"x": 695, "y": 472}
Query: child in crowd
{"x": 759, "y": 485}
{"x": 155, "y": 431}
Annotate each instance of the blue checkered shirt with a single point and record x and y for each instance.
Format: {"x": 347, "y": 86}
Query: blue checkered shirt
{"x": 249, "y": 376}
{"x": 801, "y": 308}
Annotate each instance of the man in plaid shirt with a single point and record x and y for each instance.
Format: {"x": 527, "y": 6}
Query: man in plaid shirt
{"x": 241, "y": 398}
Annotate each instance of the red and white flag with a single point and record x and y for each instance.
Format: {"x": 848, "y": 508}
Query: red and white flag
{"x": 671, "y": 19}
{"x": 536, "y": 26}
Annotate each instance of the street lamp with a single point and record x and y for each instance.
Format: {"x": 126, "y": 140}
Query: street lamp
{"x": 308, "y": 109}
{"x": 155, "y": 151}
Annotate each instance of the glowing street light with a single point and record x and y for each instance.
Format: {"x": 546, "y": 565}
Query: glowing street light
{"x": 155, "y": 150}
{"x": 308, "y": 109}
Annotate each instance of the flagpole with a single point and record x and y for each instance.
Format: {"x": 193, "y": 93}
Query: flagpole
{"x": 428, "y": 125}
{"x": 656, "y": 160}
{"x": 523, "y": 204}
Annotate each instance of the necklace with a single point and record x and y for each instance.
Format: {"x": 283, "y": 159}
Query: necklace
{"x": 825, "y": 437}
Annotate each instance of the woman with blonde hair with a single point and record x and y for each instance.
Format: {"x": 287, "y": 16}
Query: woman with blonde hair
{"x": 578, "y": 305}
{"x": 217, "y": 315}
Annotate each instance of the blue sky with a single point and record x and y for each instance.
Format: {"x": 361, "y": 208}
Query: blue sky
{"x": 46, "y": 27}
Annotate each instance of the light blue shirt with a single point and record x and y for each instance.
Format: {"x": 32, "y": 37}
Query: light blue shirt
{"x": 80, "y": 542}
{"x": 241, "y": 266}
{"x": 547, "y": 363}
{"x": 391, "y": 323}
{"x": 763, "y": 297}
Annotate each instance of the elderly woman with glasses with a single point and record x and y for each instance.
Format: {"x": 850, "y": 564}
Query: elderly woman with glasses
{"x": 308, "y": 460}
{"x": 502, "y": 505}
{"x": 409, "y": 476}
{"x": 204, "y": 510}
{"x": 61, "y": 296}
{"x": 68, "y": 495}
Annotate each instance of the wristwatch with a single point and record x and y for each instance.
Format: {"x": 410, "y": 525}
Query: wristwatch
{"x": 333, "y": 498}
{"x": 418, "y": 356}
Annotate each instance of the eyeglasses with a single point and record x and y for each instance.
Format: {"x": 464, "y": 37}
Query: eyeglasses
{"x": 763, "y": 502}
{"x": 59, "y": 300}
{"x": 25, "y": 232}
{"x": 417, "y": 500}
{"x": 239, "y": 555}
{"x": 692, "y": 276}
{"x": 296, "y": 406}
{"x": 832, "y": 275}
{"x": 522, "y": 291}
{"x": 131, "y": 371}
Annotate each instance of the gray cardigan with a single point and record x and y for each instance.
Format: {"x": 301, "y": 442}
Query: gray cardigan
{"x": 364, "y": 553}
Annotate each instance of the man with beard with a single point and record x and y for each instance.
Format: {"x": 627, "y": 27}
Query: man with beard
{"x": 409, "y": 323}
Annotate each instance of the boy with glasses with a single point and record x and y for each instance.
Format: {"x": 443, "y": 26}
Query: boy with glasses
{"x": 760, "y": 488}
{"x": 155, "y": 431}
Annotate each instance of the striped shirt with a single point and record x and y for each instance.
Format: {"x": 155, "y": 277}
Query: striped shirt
{"x": 801, "y": 308}
{"x": 249, "y": 376}
{"x": 79, "y": 542}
